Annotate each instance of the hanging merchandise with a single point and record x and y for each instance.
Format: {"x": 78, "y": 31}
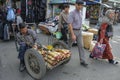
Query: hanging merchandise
{"x": 8, "y": 2}
{"x": 2, "y": 1}
{"x": 10, "y": 15}
{"x": 40, "y": 10}
{"x": 23, "y": 9}
{"x": 29, "y": 13}
{"x": 93, "y": 13}
{"x": 6, "y": 35}
{"x": 33, "y": 10}
{"x": 1, "y": 30}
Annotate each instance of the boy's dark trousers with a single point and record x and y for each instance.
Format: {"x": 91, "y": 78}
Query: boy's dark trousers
{"x": 64, "y": 32}
{"x": 22, "y": 50}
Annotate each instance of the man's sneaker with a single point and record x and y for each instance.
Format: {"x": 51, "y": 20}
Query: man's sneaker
{"x": 74, "y": 44}
{"x": 84, "y": 64}
{"x": 21, "y": 67}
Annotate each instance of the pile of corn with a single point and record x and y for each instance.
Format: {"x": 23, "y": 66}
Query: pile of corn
{"x": 54, "y": 57}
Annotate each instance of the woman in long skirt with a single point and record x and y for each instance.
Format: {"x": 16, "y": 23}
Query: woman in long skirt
{"x": 105, "y": 33}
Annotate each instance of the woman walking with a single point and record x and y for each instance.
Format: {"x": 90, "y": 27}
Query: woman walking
{"x": 105, "y": 33}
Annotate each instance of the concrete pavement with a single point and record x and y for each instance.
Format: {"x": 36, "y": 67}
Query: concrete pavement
{"x": 97, "y": 70}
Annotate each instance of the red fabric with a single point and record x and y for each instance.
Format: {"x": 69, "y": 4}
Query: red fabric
{"x": 107, "y": 54}
{"x": 18, "y": 11}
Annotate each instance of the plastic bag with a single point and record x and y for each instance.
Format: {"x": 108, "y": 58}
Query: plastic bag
{"x": 98, "y": 50}
{"x": 58, "y": 35}
{"x": 10, "y": 15}
{"x": 6, "y": 32}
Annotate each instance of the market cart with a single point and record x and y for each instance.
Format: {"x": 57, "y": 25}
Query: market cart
{"x": 38, "y": 61}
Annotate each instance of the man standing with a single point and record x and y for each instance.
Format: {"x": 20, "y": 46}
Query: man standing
{"x": 26, "y": 38}
{"x": 75, "y": 24}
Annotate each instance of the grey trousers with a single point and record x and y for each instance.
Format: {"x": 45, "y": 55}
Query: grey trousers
{"x": 79, "y": 41}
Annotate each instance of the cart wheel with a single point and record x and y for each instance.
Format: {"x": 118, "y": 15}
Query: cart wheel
{"x": 60, "y": 45}
{"x": 35, "y": 63}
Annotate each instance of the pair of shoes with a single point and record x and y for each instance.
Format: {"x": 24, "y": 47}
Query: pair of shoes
{"x": 66, "y": 42}
{"x": 84, "y": 64}
{"x": 90, "y": 56}
{"x": 74, "y": 44}
{"x": 113, "y": 62}
{"x": 21, "y": 67}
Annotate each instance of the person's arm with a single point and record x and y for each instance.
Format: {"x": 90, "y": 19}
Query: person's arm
{"x": 36, "y": 39}
{"x": 71, "y": 29}
{"x": 72, "y": 32}
{"x": 60, "y": 22}
{"x": 19, "y": 39}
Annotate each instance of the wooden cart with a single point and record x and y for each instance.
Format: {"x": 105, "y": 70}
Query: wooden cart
{"x": 38, "y": 61}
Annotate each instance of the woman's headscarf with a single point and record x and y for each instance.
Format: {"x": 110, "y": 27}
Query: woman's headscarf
{"x": 106, "y": 18}
{"x": 109, "y": 12}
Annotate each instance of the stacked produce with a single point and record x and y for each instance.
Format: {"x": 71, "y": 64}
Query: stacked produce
{"x": 54, "y": 57}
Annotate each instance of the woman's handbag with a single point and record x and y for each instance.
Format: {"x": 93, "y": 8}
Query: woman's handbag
{"x": 98, "y": 50}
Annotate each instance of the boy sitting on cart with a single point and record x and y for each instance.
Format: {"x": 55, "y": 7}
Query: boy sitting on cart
{"x": 26, "y": 38}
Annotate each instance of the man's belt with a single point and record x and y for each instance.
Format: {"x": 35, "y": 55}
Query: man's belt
{"x": 75, "y": 29}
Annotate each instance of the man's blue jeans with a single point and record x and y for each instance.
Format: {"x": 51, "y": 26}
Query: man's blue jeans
{"x": 22, "y": 50}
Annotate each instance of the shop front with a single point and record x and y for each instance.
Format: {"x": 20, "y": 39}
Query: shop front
{"x": 93, "y": 11}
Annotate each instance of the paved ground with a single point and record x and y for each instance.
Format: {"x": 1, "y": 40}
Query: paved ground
{"x": 98, "y": 69}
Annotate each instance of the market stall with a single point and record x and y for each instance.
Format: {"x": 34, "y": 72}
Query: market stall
{"x": 93, "y": 10}
{"x": 33, "y": 10}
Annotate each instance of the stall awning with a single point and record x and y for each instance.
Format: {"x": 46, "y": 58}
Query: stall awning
{"x": 117, "y": 1}
{"x": 62, "y": 1}
{"x": 89, "y": 2}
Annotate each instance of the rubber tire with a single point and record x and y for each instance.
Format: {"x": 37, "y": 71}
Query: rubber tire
{"x": 65, "y": 46}
{"x": 41, "y": 64}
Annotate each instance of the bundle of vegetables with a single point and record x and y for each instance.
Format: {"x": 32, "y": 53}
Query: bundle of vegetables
{"x": 55, "y": 56}
{"x": 85, "y": 27}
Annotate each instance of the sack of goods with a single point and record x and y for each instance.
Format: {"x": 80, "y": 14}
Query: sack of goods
{"x": 54, "y": 57}
{"x": 93, "y": 30}
{"x": 87, "y": 38}
{"x": 44, "y": 28}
